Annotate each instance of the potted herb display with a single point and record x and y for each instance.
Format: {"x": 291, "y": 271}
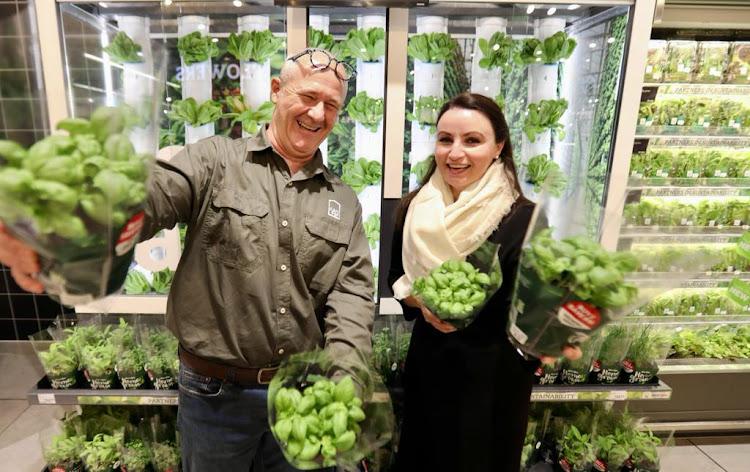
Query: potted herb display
{"x": 130, "y": 367}
{"x": 612, "y": 450}
{"x": 576, "y": 452}
{"x": 162, "y": 362}
{"x": 59, "y": 359}
{"x": 63, "y": 453}
{"x": 99, "y": 362}
{"x": 548, "y": 373}
{"x": 649, "y": 347}
{"x": 102, "y": 453}
{"x": 614, "y": 346}
{"x": 136, "y": 453}
{"x": 166, "y": 456}
{"x": 645, "y": 456}
{"x": 576, "y": 371}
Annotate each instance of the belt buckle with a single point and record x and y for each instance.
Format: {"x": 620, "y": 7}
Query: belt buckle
{"x": 260, "y": 374}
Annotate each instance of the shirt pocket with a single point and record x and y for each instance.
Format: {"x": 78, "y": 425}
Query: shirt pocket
{"x": 321, "y": 253}
{"x": 235, "y": 229}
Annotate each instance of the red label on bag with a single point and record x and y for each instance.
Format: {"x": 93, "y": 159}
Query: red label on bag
{"x": 565, "y": 464}
{"x": 539, "y": 371}
{"x": 597, "y": 367}
{"x": 129, "y": 234}
{"x": 628, "y": 366}
{"x": 58, "y": 469}
{"x": 600, "y": 465}
{"x": 579, "y": 315}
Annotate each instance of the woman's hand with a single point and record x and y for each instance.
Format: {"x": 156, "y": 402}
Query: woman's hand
{"x": 21, "y": 259}
{"x": 429, "y": 317}
{"x": 569, "y": 351}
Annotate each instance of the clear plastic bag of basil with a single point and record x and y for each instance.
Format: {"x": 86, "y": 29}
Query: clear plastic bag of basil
{"x": 325, "y": 412}
{"x": 457, "y": 290}
{"x": 77, "y": 200}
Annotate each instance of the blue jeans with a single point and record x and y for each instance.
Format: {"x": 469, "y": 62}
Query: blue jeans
{"x": 224, "y": 426}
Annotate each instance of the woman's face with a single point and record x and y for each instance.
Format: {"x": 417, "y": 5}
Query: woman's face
{"x": 465, "y": 147}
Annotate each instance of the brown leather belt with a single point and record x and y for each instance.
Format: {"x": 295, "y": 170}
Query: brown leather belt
{"x": 227, "y": 373}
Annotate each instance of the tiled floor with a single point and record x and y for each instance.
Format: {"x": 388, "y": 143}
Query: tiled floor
{"x": 21, "y": 425}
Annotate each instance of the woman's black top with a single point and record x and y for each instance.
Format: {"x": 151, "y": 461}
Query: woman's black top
{"x": 467, "y": 393}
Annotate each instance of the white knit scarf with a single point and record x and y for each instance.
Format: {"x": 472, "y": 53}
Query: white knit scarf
{"x": 437, "y": 228}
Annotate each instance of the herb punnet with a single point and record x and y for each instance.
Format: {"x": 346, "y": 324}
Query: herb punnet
{"x": 367, "y": 45}
{"x": 456, "y": 290}
{"x": 680, "y": 60}
{"x": 497, "y": 52}
{"x": 123, "y": 49}
{"x": 196, "y": 115}
{"x": 166, "y": 456}
{"x": 366, "y": 111}
{"x": 556, "y": 48}
{"x": 576, "y": 449}
{"x": 195, "y": 47}
{"x": 64, "y": 451}
{"x": 253, "y": 46}
{"x": 135, "y": 456}
{"x": 645, "y": 455}
{"x": 543, "y": 116}
{"x": 738, "y": 69}
{"x": 61, "y": 359}
{"x": 321, "y": 420}
{"x": 657, "y": 55}
{"x": 251, "y": 119}
{"x": 431, "y": 47}
{"x": 361, "y": 173}
{"x": 543, "y": 172}
{"x": 101, "y": 453}
{"x": 713, "y": 57}
{"x": 426, "y": 109}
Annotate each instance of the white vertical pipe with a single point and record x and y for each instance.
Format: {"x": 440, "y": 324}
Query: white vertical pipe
{"x": 483, "y": 81}
{"x": 255, "y": 78}
{"x": 196, "y": 78}
{"x": 320, "y": 23}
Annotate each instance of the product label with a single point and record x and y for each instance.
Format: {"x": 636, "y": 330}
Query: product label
{"x": 739, "y": 291}
{"x": 596, "y": 366}
{"x": 608, "y": 376}
{"x": 64, "y": 381}
{"x": 743, "y": 246}
{"x": 100, "y": 383}
{"x": 132, "y": 383}
{"x": 519, "y": 335}
{"x": 163, "y": 383}
{"x": 572, "y": 376}
{"x": 642, "y": 376}
{"x": 628, "y": 366}
{"x": 600, "y": 465}
{"x": 565, "y": 464}
{"x": 129, "y": 235}
{"x": 579, "y": 315}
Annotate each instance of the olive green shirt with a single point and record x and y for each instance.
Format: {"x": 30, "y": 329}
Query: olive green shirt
{"x": 273, "y": 264}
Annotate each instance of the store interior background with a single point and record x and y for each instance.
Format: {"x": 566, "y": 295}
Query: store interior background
{"x": 24, "y": 118}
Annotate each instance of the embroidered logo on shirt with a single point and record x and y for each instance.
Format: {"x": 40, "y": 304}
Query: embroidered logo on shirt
{"x": 334, "y": 209}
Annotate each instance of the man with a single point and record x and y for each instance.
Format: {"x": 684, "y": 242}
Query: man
{"x": 275, "y": 262}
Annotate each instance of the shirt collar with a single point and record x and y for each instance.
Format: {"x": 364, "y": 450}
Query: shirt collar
{"x": 260, "y": 142}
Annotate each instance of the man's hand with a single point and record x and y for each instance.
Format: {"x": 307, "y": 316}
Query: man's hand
{"x": 569, "y": 351}
{"x": 429, "y": 317}
{"x": 21, "y": 259}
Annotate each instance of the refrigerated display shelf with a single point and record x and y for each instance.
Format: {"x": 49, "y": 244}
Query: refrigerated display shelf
{"x": 688, "y": 320}
{"x": 704, "y": 277}
{"x": 587, "y": 393}
{"x": 687, "y": 230}
{"x": 547, "y": 393}
{"x": 696, "y": 88}
{"x": 705, "y": 366}
{"x": 699, "y": 132}
{"x": 684, "y": 187}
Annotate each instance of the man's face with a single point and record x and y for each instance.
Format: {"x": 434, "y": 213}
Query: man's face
{"x": 306, "y": 109}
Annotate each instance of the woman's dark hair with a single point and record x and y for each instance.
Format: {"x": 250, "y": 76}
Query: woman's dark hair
{"x": 490, "y": 109}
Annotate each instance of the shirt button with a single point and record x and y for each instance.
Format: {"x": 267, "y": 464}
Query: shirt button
{"x": 281, "y": 351}
{"x": 283, "y": 267}
{"x": 285, "y": 223}
{"x": 282, "y": 311}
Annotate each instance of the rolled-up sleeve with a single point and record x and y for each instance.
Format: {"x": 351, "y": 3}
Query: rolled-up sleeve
{"x": 350, "y": 307}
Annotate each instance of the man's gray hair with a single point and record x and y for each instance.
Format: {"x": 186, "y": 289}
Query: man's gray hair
{"x": 291, "y": 67}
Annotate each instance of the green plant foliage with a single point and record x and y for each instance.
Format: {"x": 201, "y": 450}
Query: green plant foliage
{"x": 123, "y": 49}
{"x": 367, "y": 45}
{"x": 136, "y": 283}
{"x": 431, "y": 47}
{"x": 581, "y": 265}
{"x": 543, "y": 172}
{"x": 64, "y": 451}
{"x": 497, "y": 52}
{"x": 366, "y": 111}
{"x": 421, "y": 168}
{"x": 163, "y": 281}
{"x": 101, "y": 453}
{"x": 361, "y": 173}
{"x": 543, "y": 116}
{"x": 319, "y": 39}
{"x": 552, "y": 50}
{"x": 426, "y": 110}
{"x": 195, "y": 48}
{"x": 251, "y": 120}
{"x": 341, "y": 145}
{"x": 196, "y": 115}
{"x": 577, "y": 448}
{"x": 61, "y": 359}
{"x": 253, "y": 46}
{"x": 372, "y": 229}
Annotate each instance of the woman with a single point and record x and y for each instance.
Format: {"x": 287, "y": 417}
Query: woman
{"x": 467, "y": 392}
